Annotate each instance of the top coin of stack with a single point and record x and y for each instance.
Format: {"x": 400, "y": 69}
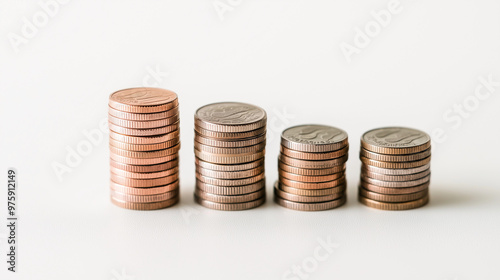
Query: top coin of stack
{"x": 312, "y": 168}
{"x": 230, "y": 141}
{"x": 144, "y": 145}
{"x": 395, "y": 173}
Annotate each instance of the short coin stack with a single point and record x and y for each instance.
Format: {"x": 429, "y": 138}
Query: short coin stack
{"x": 312, "y": 168}
{"x": 230, "y": 141}
{"x": 144, "y": 145}
{"x": 395, "y": 173}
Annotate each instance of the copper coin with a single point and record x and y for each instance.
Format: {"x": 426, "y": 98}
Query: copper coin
{"x": 145, "y": 206}
{"x": 144, "y": 198}
{"x": 230, "y": 198}
{"x": 396, "y": 165}
{"x": 311, "y": 172}
{"x": 143, "y": 124}
{"x": 398, "y": 178}
{"x": 174, "y": 135}
{"x": 151, "y": 175}
{"x": 229, "y": 144}
{"x": 321, "y": 192}
{"x": 312, "y": 186}
{"x": 395, "y": 141}
{"x": 319, "y": 206}
{"x": 147, "y": 154}
{"x": 306, "y": 199}
{"x": 145, "y": 168}
{"x": 143, "y": 100}
{"x": 229, "y": 167}
{"x": 144, "y": 191}
{"x": 143, "y": 147}
{"x": 388, "y": 184}
{"x": 143, "y": 117}
{"x": 142, "y": 161}
{"x": 229, "y": 159}
{"x": 230, "y": 135}
{"x": 230, "y": 174}
{"x": 230, "y": 183}
{"x": 383, "y": 190}
{"x": 230, "y": 151}
{"x": 230, "y": 117}
{"x": 395, "y": 158}
{"x": 395, "y": 172}
{"x": 314, "y": 138}
{"x": 230, "y": 206}
{"x": 392, "y": 197}
{"x": 310, "y": 179}
{"x": 230, "y": 190}
{"x": 144, "y": 132}
{"x": 314, "y": 156}
{"x": 144, "y": 183}
{"x": 394, "y": 206}
{"x": 309, "y": 164}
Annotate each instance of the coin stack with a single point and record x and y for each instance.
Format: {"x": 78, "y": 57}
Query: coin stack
{"x": 144, "y": 145}
{"x": 395, "y": 173}
{"x": 311, "y": 168}
{"x": 230, "y": 141}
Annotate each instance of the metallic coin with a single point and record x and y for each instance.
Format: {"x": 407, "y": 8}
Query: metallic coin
{"x": 393, "y": 197}
{"x": 230, "y": 198}
{"x": 229, "y": 167}
{"x": 231, "y": 174}
{"x": 145, "y": 168}
{"x": 396, "y": 165}
{"x": 142, "y": 161}
{"x": 394, "y": 206}
{"x": 143, "y": 147}
{"x": 230, "y": 206}
{"x": 145, "y": 140}
{"x": 145, "y": 206}
{"x": 144, "y": 198}
{"x": 320, "y": 206}
{"x": 395, "y": 172}
{"x": 321, "y": 192}
{"x": 395, "y": 141}
{"x": 306, "y": 199}
{"x": 143, "y": 117}
{"x": 152, "y": 175}
{"x": 399, "y": 178}
{"x": 144, "y": 132}
{"x": 230, "y": 190}
{"x": 144, "y": 183}
{"x": 314, "y": 138}
{"x": 229, "y": 159}
{"x": 143, "y": 100}
{"x": 310, "y": 172}
{"x": 395, "y": 158}
{"x": 148, "y": 154}
{"x": 388, "y": 184}
{"x": 230, "y": 135}
{"x": 230, "y": 117}
{"x": 231, "y": 151}
{"x": 230, "y": 183}
{"x": 143, "y": 124}
{"x": 314, "y": 156}
{"x": 310, "y": 179}
{"x": 383, "y": 190}
{"x": 312, "y": 186}
{"x": 144, "y": 191}
{"x": 309, "y": 164}
{"x": 229, "y": 144}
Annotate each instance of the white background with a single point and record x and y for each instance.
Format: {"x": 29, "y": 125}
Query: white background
{"x": 284, "y": 56}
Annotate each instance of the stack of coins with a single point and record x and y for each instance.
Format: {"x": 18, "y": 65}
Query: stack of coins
{"x": 312, "y": 168}
{"x": 144, "y": 145}
{"x": 230, "y": 141}
{"x": 395, "y": 173}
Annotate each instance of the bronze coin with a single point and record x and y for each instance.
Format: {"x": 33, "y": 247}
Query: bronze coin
{"x": 228, "y": 182}
{"x": 145, "y": 206}
{"x": 145, "y": 168}
{"x": 320, "y": 192}
{"x": 230, "y": 206}
{"x": 314, "y": 138}
{"x": 310, "y": 179}
{"x": 151, "y": 175}
{"x": 314, "y": 156}
{"x": 394, "y": 206}
{"x": 220, "y": 190}
{"x": 309, "y": 164}
{"x": 144, "y": 183}
{"x": 383, "y": 190}
{"x": 306, "y": 199}
{"x": 229, "y": 159}
{"x": 388, "y": 184}
{"x": 392, "y": 197}
{"x": 395, "y": 158}
{"x": 229, "y": 144}
{"x": 395, "y": 172}
{"x": 147, "y": 154}
{"x": 398, "y": 178}
{"x": 230, "y": 117}
{"x": 229, "y": 167}
{"x": 320, "y": 206}
{"x": 310, "y": 172}
{"x": 144, "y": 198}
{"x": 145, "y": 116}
{"x": 143, "y": 147}
{"x": 144, "y": 191}
{"x": 230, "y": 174}
{"x": 142, "y": 161}
{"x": 312, "y": 186}
{"x": 144, "y": 132}
{"x": 396, "y": 165}
{"x": 143, "y": 124}
{"x": 143, "y": 100}
{"x": 155, "y": 139}
{"x": 230, "y": 151}
{"x": 230, "y": 135}
{"x": 230, "y": 198}
{"x": 395, "y": 141}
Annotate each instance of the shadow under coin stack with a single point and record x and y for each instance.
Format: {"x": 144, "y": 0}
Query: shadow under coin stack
{"x": 312, "y": 168}
{"x": 144, "y": 145}
{"x": 230, "y": 141}
{"x": 395, "y": 172}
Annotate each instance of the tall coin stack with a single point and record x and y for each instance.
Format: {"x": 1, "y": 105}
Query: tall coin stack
{"x": 312, "y": 168}
{"x": 230, "y": 141}
{"x": 395, "y": 172}
{"x": 144, "y": 145}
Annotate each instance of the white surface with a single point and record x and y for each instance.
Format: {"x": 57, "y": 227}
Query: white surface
{"x": 283, "y": 56}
